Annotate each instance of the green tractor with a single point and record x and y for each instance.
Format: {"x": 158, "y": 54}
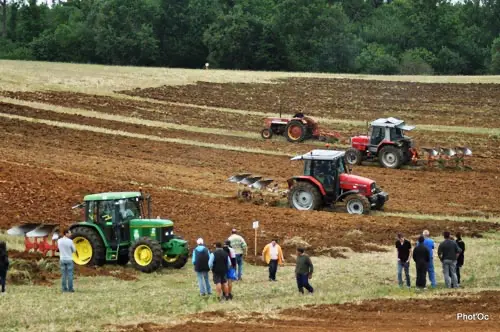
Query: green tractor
{"x": 117, "y": 229}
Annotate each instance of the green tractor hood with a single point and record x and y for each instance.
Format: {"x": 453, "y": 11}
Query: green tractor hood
{"x": 149, "y": 223}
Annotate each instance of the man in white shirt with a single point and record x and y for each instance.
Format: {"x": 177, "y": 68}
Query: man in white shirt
{"x": 273, "y": 255}
{"x": 66, "y": 250}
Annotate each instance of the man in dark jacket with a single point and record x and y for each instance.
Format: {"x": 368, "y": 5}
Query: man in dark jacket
{"x": 448, "y": 252}
{"x": 303, "y": 270}
{"x": 460, "y": 259}
{"x": 404, "y": 248}
{"x": 422, "y": 258}
{"x": 4, "y": 265}
{"x": 220, "y": 263}
{"x": 201, "y": 255}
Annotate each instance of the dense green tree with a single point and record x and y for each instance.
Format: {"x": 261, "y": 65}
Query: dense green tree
{"x": 495, "y": 56}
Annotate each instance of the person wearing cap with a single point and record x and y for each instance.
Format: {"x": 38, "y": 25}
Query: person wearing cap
{"x": 240, "y": 247}
{"x": 403, "y": 247}
{"x": 201, "y": 256}
{"x": 429, "y": 244}
{"x": 273, "y": 255}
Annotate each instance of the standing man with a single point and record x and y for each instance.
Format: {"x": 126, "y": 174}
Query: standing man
{"x": 404, "y": 247}
{"x": 460, "y": 260}
{"x": 421, "y": 257}
{"x": 231, "y": 273}
{"x": 220, "y": 263}
{"x": 273, "y": 255}
{"x": 448, "y": 252}
{"x": 66, "y": 250}
{"x": 240, "y": 246}
{"x": 303, "y": 271}
{"x": 201, "y": 255}
{"x": 4, "y": 265}
{"x": 429, "y": 243}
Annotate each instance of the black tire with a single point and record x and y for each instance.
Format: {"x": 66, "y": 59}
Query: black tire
{"x": 311, "y": 193}
{"x": 98, "y": 257}
{"x": 357, "y": 204}
{"x": 299, "y": 137}
{"x": 266, "y": 133}
{"x": 155, "y": 252}
{"x": 390, "y": 157}
{"x": 122, "y": 259}
{"x": 353, "y": 156}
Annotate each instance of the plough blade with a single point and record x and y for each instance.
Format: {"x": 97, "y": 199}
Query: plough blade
{"x": 431, "y": 152}
{"x": 239, "y": 177}
{"x": 250, "y": 180}
{"x": 261, "y": 184}
{"x": 464, "y": 150}
{"x": 21, "y": 230}
{"x": 42, "y": 231}
{"x": 449, "y": 152}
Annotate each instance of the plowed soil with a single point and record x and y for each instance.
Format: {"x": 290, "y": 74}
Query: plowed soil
{"x": 446, "y": 104}
{"x": 438, "y": 314}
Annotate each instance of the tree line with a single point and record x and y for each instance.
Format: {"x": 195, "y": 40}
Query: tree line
{"x": 348, "y": 36}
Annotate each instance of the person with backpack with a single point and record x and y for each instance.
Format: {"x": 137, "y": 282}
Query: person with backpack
{"x": 4, "y": 265}
{"x": 201, "y": 255}
{"x": 220, "y": 263}
{"x": 231, "y": 273}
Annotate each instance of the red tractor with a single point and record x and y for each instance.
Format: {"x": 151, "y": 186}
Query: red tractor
{"x": 297, "y": 129}
{"x": 325, "y": 182}
{"x": 385, "y": 142}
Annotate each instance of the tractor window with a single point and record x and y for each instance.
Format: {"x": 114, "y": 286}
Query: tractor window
{"x": 377, "y": 135}
{"x": 129, "y": 209}
{"x": 341, "y": 166}
{"x": 397, "y": 134}
{"x": 105, "y": 211}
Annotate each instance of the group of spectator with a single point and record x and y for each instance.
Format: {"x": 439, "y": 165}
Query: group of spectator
{"x": 450, "y": 252}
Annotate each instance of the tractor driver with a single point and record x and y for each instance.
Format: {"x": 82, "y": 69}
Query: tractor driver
{"x": 324, "y": 172}
{"x": 106, "y": 210}
{"x": 125, "y": 211}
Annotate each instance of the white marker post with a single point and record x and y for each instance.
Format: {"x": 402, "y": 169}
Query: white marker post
{"x": 255, "y": 226}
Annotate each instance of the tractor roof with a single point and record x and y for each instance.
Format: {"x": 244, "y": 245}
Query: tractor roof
{"x": 112, "y": 196}
{"x": 320, "y": 155}
{"x": 391, "y": 123}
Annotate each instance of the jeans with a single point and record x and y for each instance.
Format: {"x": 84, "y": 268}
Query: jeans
{"x": 406, "y": 267}
{"x": 432, "y": 275}
{"x": 239, "y": 262}
{"x": 203, "y": 283}
{"x": 303, "y": 282}
{"x": 3, "y": 279}
{"x": 273, "y": 268}
{"x": 67, "y": 276}
{"x": 449, "y": 269}
{"x": 421, "y": 274}
{"x": 458, "y": 273}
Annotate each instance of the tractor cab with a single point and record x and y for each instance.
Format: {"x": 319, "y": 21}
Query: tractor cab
{"x": 388, "y": 130}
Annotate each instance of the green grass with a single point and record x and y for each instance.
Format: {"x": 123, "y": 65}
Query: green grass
{"x": 167, "y": 296}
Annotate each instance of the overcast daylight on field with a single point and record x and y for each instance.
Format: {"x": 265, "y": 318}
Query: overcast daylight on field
{"x": 226, "y": 165}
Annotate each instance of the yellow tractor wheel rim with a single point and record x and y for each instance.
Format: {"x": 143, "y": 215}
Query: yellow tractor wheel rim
{"x": 84, "y": 251}
{"x": 171, "y": 259}
{"x": 143, "y": 255}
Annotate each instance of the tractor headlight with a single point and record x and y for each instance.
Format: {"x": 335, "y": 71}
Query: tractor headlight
{"x": 373, "y": 188}
{"x": 169, "y": 233}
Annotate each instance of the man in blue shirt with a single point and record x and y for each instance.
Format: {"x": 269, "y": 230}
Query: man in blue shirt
{"x": 429, "y": 243}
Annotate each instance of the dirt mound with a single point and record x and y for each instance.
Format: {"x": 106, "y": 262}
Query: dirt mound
{"x": 436, "y": 314}
{"x": 14, "y": 254}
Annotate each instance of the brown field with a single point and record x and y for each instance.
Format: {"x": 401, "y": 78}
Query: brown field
{"x": 99, "y": 143}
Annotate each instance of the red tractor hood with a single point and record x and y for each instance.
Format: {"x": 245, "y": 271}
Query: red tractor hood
{"x": 360, "y": 140}
{"x": 350, "y": 181}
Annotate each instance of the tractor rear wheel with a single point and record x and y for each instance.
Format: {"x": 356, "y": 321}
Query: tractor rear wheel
{"x": 305, "y": 196}
{"x": 146, "y": 255}
{"x": 353, "y": 156}
{"x": 295, "y": 131}
{"x": 89, "y": 247}
{"x": 390, "y": 157}
{"x": 266, "y": 133}
{"x": 357, "y": 204}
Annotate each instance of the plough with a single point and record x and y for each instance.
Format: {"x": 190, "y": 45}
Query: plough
{"x": 40, "y": 234}
{"x": 445, "y": 157}
{"x": 250, "y": 187}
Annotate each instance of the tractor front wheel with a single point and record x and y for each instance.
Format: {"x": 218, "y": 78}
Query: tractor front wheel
{"x": 305, "y": 196}
{"x": 357, "y": 204}
{"x": 390, "y": 157}
{"x": 295, "y": 131}
{"x": 266, "y": 133}
{"x": 174, "y": 261}
{"x": 353, "y": 156}
{"x": 89, "y": 247}
{"x": 146, "y": 255}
